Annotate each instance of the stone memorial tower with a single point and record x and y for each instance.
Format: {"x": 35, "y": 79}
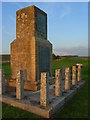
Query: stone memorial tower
{"x": 31, "y": 51}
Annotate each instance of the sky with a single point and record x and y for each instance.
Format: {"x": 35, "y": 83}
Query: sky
{"x": 67, "y": 25}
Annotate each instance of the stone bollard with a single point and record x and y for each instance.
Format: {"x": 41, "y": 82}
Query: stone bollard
{"x": 57, "y": 83}
{"x": 20, "y": 85}
{"x": 2, "y": 83}
{"x": 63, "y": 72}
{"x": 67, "y": 79}
{"x": 73, "y": 75}
{"x": 79, "y": 72}
{"x": 25, "y": 75}
{"x": 44, "y": 91}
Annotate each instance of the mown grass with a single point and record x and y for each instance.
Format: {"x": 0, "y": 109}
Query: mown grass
{"x": 77, "y": 107}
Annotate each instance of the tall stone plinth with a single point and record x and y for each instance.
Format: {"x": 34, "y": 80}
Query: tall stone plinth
{"x": 44, "y": 90}
{"x": 58, "y": 91}
{"x": 31, "y": 50}
{"x": 20, "y": 85}
{"x": 73, "y": 75}
{"x": 2, "y": 82}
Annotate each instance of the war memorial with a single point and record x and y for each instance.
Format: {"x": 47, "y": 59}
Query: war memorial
{"x": 32, "y": 86}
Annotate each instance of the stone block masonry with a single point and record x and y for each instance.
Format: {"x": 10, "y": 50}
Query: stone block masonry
{"x": 44, "y": 91}
{"x": 20, "y": 85}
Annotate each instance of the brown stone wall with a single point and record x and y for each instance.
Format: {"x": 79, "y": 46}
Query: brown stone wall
{"x": 25, "y": 22}
{"x": 23, "y": 57}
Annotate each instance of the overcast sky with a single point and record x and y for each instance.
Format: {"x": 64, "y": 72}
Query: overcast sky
{"x": 67, "y": 26}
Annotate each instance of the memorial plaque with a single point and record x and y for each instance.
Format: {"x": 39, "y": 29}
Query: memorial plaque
{"x": 41, "y": 25}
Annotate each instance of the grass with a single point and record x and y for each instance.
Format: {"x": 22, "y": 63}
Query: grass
{"x": 77, "y": 107}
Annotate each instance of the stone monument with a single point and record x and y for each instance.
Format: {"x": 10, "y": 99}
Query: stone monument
{"x": 31, "y": 50}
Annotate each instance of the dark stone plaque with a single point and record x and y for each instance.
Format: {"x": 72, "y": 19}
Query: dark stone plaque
{"x": 41, "y": 25}
{"x": 44, "y": 59}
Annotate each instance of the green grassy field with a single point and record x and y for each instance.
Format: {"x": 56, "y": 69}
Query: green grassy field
{"x": 77, "y": 107}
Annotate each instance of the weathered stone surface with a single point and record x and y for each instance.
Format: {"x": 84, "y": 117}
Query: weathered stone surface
{"x": 79, "y": 66}
{"x": 67, "y": 79}
{"x": 31, "y": 50}
{"x": 20, "y": 85}
{"x": 73, "y": 75}
{"x": 2, "y": 82}
{"x": 44, "y": 91}
{"x": 58, "y": 91}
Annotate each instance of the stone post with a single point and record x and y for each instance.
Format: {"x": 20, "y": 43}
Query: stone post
{"x": 44, "y": 91}
{"x": 20, "y": 85}
{"x": 25, "y": 75}
{"x": 57, "y": 83}
{"x": 79, "y": 72}
{"x": 67, "y": 79}
{"x": 63, "y": 72}
{"x": 73, "y": 75}
{"x": 2, "y": 83}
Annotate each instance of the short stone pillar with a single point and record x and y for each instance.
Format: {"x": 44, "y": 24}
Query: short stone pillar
{"x": 44, "y": 90}
{"x": 2, "y": 82}
{"x": 67, "y": 79}
{"x": 20, "y": 85}
{"x": 57, "y": 83}
{"x": 73, "y": 75}
{"x": 79, "y": 72}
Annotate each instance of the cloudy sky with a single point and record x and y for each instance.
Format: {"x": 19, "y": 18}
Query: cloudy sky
{"x": 67, "y": 25}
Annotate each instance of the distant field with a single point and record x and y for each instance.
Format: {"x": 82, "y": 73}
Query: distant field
{"x": 77, "y": 107}
{"x": 5, "y": 57}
